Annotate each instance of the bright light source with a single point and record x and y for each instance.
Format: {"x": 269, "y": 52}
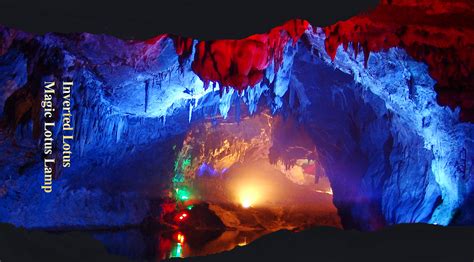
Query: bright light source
{"x": 182, "y": 216}
{"x": 243, "y": 243}
{"x": 180, "y": 238}
{"x": 182, "y": 194}
{"x": 246, "y": 203}
{"x": 249, "y": 195}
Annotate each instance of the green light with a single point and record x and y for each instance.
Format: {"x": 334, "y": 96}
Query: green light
{"x": 190, "y": 207}
{"x": 186, "y": 163}
{"x": 182, "y": 194}
{"x": 177, "y": 251}
{"x": 182, "y": 166}
{"x": 178, "y": 178}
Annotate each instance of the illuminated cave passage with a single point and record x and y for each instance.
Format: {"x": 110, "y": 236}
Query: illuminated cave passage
{"x": 167, "y": 130}
{"x": 261, "y": 173}
{"x": 240, "y": 180}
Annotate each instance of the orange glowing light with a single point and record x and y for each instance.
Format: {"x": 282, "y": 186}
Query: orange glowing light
{"x": 251, "y": 188}
{"x": 243, "y": 243}
{"x": 328, "y": 191}
{"x": 246, "y": 203}
{"x": 180, "y": 238}
{"x": 249, "y": 195}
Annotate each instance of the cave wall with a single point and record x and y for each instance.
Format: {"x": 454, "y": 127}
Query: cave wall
{"x": 120, "y": 107}
{"x": 408, "y": 90}
{"x": 379, "y": 170}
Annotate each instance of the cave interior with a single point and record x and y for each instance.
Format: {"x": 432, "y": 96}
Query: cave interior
{"x": 299, "y": 127}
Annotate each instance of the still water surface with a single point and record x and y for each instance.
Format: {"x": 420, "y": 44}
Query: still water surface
{"x": 157, "y": 246}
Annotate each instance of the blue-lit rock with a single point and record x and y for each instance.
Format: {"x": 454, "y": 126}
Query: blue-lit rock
{"x": 430, "y": 148}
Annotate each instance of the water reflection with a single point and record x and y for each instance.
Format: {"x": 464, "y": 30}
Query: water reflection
{"x": 158, "y": 246}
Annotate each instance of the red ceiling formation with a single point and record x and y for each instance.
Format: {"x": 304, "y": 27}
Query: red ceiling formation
{"x": 241, "y": 63}
{"x": 439, "y": 33}
{"x": 436, "y": 32}
{"x": 184, "y": 47}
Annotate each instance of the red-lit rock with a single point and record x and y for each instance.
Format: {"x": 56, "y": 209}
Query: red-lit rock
{"x": 241, "y": 63}
{"x": 438, "y": 33}
{"x": 184, "y": 46}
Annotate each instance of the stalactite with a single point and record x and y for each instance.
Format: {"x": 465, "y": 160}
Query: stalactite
{"x": 146, "y": 94}
{"x": 237, "y": 108}
{"x": 418, "y": 31}
{"x": 190, "y": 111}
